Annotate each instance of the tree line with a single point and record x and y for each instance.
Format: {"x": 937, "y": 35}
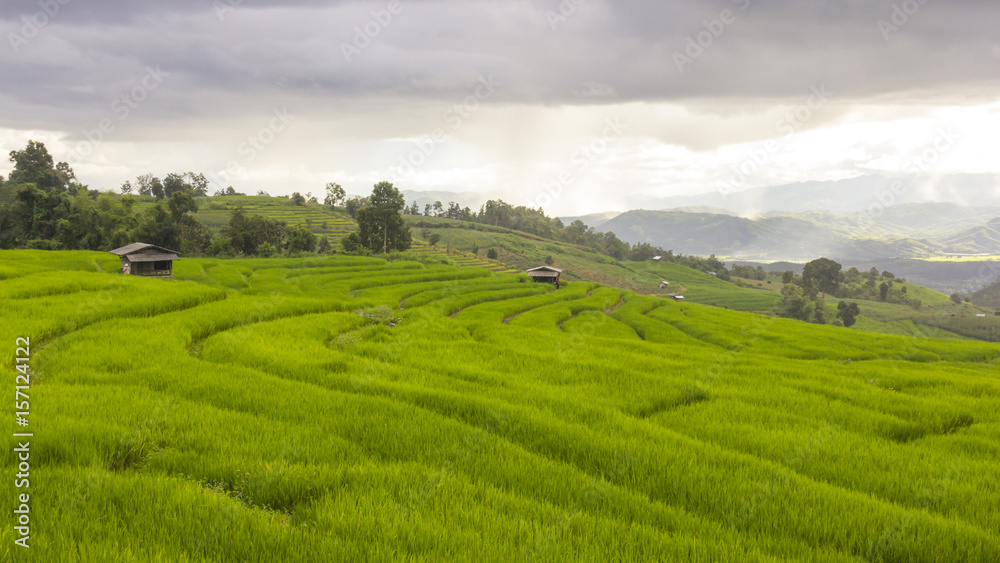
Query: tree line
{"x": 43, "y": 206}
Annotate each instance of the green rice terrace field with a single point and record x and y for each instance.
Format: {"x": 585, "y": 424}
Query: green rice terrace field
{"x": 214, "y": 213}
{"x": 355, "y": 409}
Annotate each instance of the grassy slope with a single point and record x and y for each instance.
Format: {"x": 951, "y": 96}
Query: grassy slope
{"x": 988, "y": 297}
{"x": 213, "y": 212}
{"x": 937, "y": 317}
{"x": 522, "y": 251}
{"x": 245, "y": 411}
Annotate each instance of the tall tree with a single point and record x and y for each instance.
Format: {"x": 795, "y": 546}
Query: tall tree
{"x": 334, "y": 194}
{"x": 823, "y": 274}
{"x": 34, "y": 165}
{"x": 382, "y": 219}
{"x": 173, "y": 183}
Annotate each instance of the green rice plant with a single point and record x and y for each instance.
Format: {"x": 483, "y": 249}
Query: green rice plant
{"x": 344, "y": 408}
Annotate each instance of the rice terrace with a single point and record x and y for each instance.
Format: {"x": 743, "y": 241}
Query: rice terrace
{"x": 365, "y": 409}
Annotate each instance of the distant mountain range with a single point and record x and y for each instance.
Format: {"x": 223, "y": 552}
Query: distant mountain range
{"x": 864, "y": 218}
{"x": 864, "y": 193}
{"x": 917, "y": 230}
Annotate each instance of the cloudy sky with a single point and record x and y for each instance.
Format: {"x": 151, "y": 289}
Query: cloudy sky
{"x": 570, "y": 105}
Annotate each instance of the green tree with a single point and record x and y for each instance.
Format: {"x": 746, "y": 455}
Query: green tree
{"x": 848, "y": 313}
{"x": 819, "y": 312}
{"x": 643, "y": 252}
{"x": 433, "y": 239}
{"x": 352, "y": 243}
{"x": 797, "y": 305}
{"x": 198, "y": 183}
{"x": 180, "y": 204}
{"x": 381, "y": 224}
{"x": 174, "y": 183}
{"x": 298, "y": 199}
{"x": 301, "y": 239}
{"x": 34, "y": 165}
{"x": 823, "y": 274}
{"x": 246, "y": 233}
{"x": 883, "y": 291}
{"x": 787, "y": 277}
{"x": 492, "y": 254}
{"x": 159, "y": 228}
{"x": 354, "y": 205}
{"x": 334, "y": 194}
{"x": 956, "y": 298}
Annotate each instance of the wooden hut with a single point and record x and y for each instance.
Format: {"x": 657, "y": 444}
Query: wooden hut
{"x": 546, "y": 274}
{"x": 141, "y": 259}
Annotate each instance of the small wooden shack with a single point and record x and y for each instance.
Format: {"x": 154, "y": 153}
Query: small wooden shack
{"x": 546, "y": 274}
{"x": 141, "y": 259}
{"x": 664, "y": 284}
{"x": 676, "y": 297}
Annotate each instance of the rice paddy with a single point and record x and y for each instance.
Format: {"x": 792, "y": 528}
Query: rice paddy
{"x": 355, "y": 409}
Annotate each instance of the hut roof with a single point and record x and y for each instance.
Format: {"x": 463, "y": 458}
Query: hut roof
{"x": 151, "y": 257}
{"x": 544, "y": 272}
{"x": 142, "y": 252}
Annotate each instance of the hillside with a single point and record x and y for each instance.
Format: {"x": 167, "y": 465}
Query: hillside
{"x": 807, "y": 234}
{"x": 988, "y": 297}
{"x": 214, "y": 213}
{"x": 521, "y": 251}
{"x": 984, "y": 238}
{"x": 936, "y": 317}
{"x": 470, "y": 415}
{"x": 595, "y": 220}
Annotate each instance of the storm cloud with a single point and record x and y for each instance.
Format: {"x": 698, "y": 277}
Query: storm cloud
{"x": 363, "y": 77}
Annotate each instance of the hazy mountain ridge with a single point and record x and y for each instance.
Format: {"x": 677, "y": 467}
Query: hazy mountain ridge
{"x": 798, "y": 236}
{"x": 872, "y": 193}
{"x": 864, "y": 218}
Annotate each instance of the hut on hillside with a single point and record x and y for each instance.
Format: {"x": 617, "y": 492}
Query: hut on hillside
{"x": 664, "y": 284}
{"x": 546, "y": 274}
{"x": 141, "y": 259}
{"x": 676, "y": 297}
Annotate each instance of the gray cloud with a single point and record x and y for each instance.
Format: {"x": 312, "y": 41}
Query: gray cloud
{"x": 227, "y": 63}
